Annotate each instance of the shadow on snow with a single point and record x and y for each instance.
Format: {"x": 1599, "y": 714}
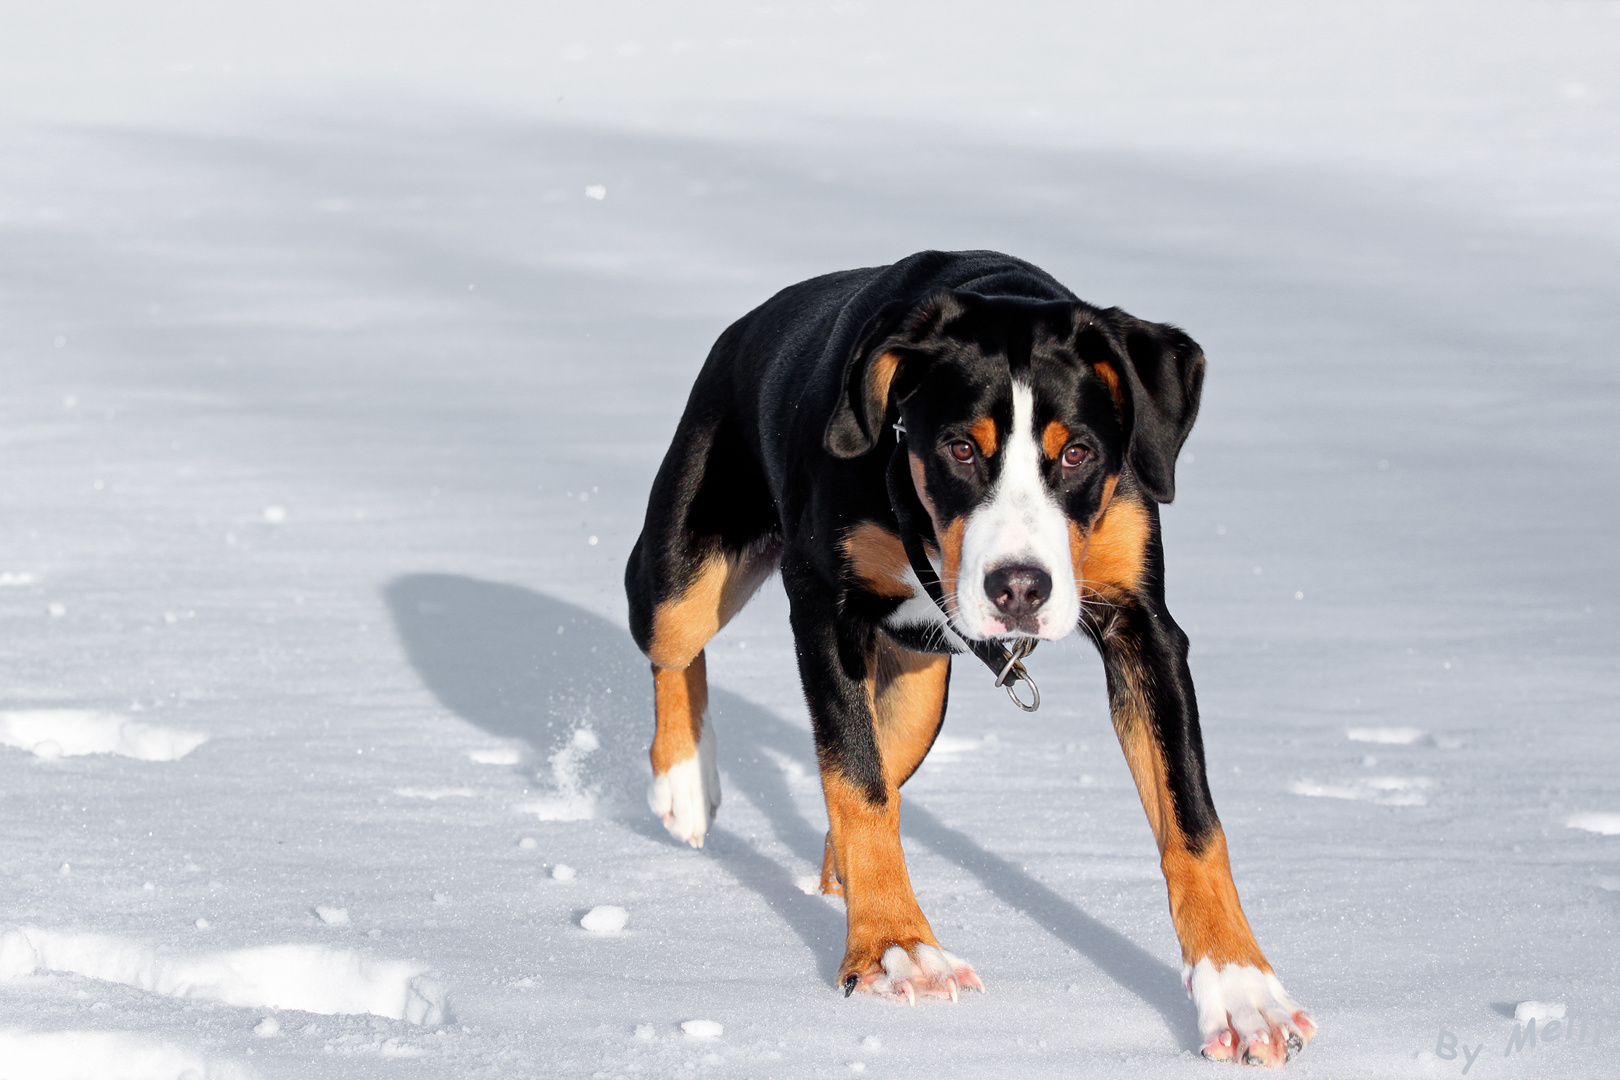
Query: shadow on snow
{"x": 523, "y": 665}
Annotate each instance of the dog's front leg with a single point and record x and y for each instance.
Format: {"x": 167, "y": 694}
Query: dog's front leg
{"x": 1243, "y": 1012}
{"x": 890, "y": 949}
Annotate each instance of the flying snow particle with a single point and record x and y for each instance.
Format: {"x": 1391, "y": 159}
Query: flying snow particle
{"x": 528, "y": 843}
{"x": 596, "y": 191}
{"x": 275, "y": 515}
{"x": 564, "y": 872}
{"x": 702, "y": 1029}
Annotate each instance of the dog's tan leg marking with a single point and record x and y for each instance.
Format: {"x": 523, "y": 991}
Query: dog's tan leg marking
{"x": 890, "y": 949}
{"x": 685, "y": 790}
{"x": 1243, "y": 1011}
{"x": 907, "y": 693}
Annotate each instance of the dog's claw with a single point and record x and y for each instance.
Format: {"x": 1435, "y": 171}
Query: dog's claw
{"x": 850, "y": 982}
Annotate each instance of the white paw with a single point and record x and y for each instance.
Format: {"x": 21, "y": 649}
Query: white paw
{"x": 1245, "y": 1015}
{"x": 687, "y": 796}
{"x": 925, "y": 970}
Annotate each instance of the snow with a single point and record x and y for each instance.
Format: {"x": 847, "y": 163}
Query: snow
{"x": 306, "y": 977}
{"x": 1538, "y": 1010}
{"x": 1606, "y": 824}
{"x": 57, "y": 733}
{"x": 108, "y": 1055}
{"x": 604, "y": 919}
{"x": 341, "y": 263}
{"x": 702, "y": 1029}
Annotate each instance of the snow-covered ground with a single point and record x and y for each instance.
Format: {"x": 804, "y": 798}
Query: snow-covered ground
{"x": 339, "y": 343}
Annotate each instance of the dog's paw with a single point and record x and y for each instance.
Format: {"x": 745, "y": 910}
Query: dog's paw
{"x": 905, "y": 973}
{"x": 1245, "y": 1015}
{"x": 688, "y": 795}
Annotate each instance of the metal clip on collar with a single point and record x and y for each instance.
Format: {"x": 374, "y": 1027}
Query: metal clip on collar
{"x": 1014, "y": 671}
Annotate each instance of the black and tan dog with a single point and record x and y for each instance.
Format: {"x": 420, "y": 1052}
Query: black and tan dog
{"x": 1018, "y": 441}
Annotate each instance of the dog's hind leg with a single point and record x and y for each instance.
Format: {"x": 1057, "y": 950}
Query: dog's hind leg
{"x": 708, "y": 543}
{"x": 685, "y": 790}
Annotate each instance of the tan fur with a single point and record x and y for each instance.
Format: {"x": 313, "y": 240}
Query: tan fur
{"x": 679, "y": 701}
{"x": 1055, "y": 438}
{"x": 906, "y": 692}
{"x": 880, "y": 907}
{"x": 1111, "y": 555}
{"x": 1204, "y": 906}
{"x": 880, "y": 376}
{"x": 877, "y": 559}
{"x": 1106, "y": 371}
{"x": 984, "y": 433}
{"x": 684, "y": 624}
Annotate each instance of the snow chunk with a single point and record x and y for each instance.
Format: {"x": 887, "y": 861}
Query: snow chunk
{"x": 1543, "y": 1011}
{"x": 1390, "y": 736}
{"x": 268, "y": 1028}
{"x": 645, "y": 1032}
{"x": 605, "y": 919}
{"x": 564, "y": 872}
{"x": 702, "y": 1029}
{"x": 14, "y": 579}
{"x": 1606, "y": 824}
{"x": 108, "y": 1055}
{"x": 312, "y": 978}
{"x": 55, "y": 733}
{"x": 333, "y": 916}
{"x": 496, "y": 756}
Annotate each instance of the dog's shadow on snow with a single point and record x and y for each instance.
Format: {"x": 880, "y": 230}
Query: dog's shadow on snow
{"x": 522, "y": 665}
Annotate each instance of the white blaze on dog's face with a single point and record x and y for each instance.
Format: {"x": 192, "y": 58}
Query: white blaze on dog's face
{"x": 1016, "y": 575}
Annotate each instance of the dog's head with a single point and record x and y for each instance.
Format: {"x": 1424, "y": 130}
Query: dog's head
{"x": 1020, "y": 417}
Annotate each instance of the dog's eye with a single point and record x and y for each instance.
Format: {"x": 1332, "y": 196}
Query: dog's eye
{"x": 1073, "y": 455}
{"x": 962, "y": 451}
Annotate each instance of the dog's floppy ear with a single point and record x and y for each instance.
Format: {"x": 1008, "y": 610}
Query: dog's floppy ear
{"x": 885, "y": 346}
{"x": 1164, "y": 376}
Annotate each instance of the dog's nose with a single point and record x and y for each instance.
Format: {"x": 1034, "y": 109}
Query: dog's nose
{"x": 1018, "y": 591}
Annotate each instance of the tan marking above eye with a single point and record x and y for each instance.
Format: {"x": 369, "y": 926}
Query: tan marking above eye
{"x": 984, "y": 433}
{"x": 1055, "y": 438}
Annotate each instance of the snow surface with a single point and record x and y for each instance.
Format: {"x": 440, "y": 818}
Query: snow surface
{"x": 341, "y": 343}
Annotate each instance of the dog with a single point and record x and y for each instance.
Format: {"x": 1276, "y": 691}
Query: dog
{"x": 943, "y": 456}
